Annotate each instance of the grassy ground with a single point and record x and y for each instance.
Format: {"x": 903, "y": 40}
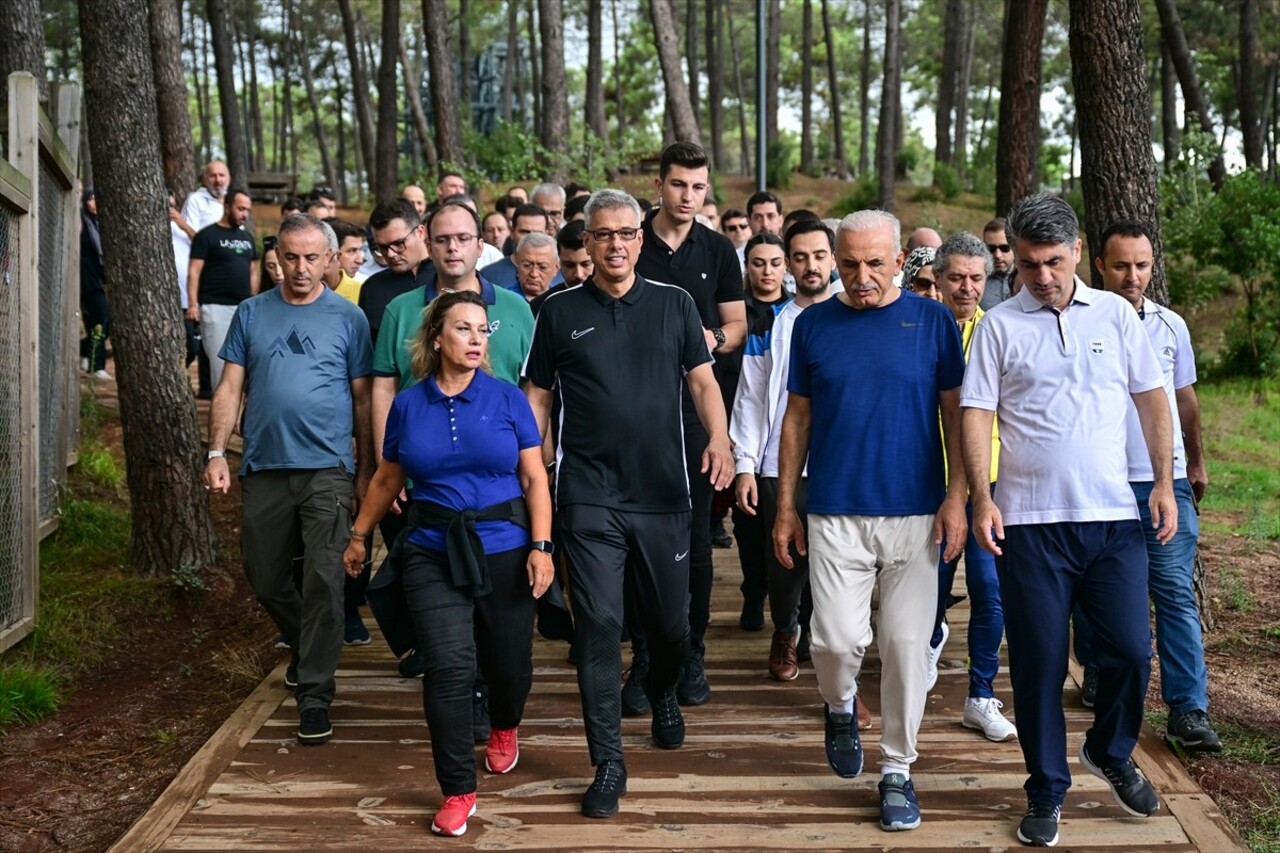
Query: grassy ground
{"x": 1242, "y": 445}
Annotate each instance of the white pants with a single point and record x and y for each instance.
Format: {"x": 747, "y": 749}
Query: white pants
{"x": 846, "y": 554}
{"x": 215, "y": 320}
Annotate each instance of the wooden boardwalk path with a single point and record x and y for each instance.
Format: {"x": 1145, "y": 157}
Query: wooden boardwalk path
{"x": 751, "y": 775}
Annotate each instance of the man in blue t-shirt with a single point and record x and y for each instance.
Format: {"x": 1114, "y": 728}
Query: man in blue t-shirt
{"x": 866, "y": 415}
{"x": 301, "y": 353}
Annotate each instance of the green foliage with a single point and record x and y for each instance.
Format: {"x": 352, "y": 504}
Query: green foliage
{"x": 863, "y": 193}
{"x": 510, "y": 153}
{"x": 99, "y": 465}
{"x": 189, "y": 581}
{"x": 1184, "y": 194}
{"x": 947, "y": 181}
{"x": 780, "y": 161}
{"x": 1242, "y": 449}
{"x": 27, "y": 693}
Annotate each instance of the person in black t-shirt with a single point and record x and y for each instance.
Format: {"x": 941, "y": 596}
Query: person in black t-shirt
{"x": 680, "y": 251}
{"x": 400, "y": 240}
{"x": 620, "y": 349}
{"x": 221, "y": 275}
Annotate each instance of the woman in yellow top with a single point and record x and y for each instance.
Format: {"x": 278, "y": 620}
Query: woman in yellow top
{"x": 960, "y": 270}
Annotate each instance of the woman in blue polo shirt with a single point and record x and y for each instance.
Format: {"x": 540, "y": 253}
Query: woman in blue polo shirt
{"x": 470, "y": 445}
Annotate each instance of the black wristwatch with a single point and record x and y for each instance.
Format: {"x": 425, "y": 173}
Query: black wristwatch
{"x": 544, "y": 546}
{"x": 718, "y": 334}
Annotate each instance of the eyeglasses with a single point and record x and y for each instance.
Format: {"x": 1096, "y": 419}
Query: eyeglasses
{"x": 743, "y": 227}
{"x": 555, "y": 214}
{"x": 1001, "y": 247}
{"x": 442, "y": 241}
{"x": 605, "y": 235}
{"x": 397, "y": 246}
{"x": 923, "y": 284}
{"x": 530, "y": 266}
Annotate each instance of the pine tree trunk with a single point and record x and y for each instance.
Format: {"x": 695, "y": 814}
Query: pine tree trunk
{"x": 691, "y": 53}
{"x": 535, "y": 70}
{"x": 22, "y": 46}
{"x": 864, "y": 95}
{"x": 806, "y": 89}
{"x": 1018, "y": 138}
{"x": 1248, "y": 95}
{"x": 171, "y": 96}
{"x": 200, "y": 74}
{"x": 684, "y": 124}
{"x": 464, "y": 56}
{"x": 773, "y": 62}
{"x": 255, "y": 104}
{"x": 715, "y": 83}
{"x": 833, "y": 94}
{"x": 1170, "y": 135}
{"x": 246, "y": 121}
{"x": 388, "y": 104}
{"x": 594, "y": 112}
{"x": 170, "y": 522}
{"x": 317, "y": 112}
{"x": 414, "y": 96}
{"x": 1172, "y": 33}
{"x": 738, "y": 90}
{"x": 360, "y": 91}
{"x": 1113, "y": 104}
{"x": 340, "y": 98}
{"x": 555, "y": 95}
{"x": 444, "y": 97}
{"x": 891, "y": 92}
{"x": 510, "y": 66}
{"x": 224, "y": 63}
{"x": 961, "y": 155}
{"x": 948, "y": 83}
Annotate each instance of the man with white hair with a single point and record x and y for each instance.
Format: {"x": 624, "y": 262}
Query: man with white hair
{"x": 879, "y": 498}
{"x": 537, "y": 264}
{"x": 551, "y": 198}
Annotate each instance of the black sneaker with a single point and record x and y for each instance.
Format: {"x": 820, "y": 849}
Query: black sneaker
{"x": 1193, "y": 732}
{"x": 720, "y": 537}
{"x": 1130, "y": 790}
{"x": 752, "y": 616}
{"x": 803, "y": 655}
{"x": 668, "y": 722}
{"x": 412, "y": 665}
{"x": 354, "y": 633}
{"x": 291, "y": 677}
{"x": 844, "y": 747}
{"x": 693, "y": 688}
{"x": 313, "y": 727}
{"x": 479, "y": 716}
{"x": 1089, "y": 688}
{"x": 1039, "y": 827}
{"x": 634, "y": 702}
{"x": 601, "y": 798}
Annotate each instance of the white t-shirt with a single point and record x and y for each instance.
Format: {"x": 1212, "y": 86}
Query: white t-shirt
{"x": 1172, "y": 344}
{"x": 181, "y": 258}
{"x": 1060, "y": 384}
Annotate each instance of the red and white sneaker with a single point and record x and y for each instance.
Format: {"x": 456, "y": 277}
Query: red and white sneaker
{"x": 503, "y": 751}
{"x": 451, "y": 820}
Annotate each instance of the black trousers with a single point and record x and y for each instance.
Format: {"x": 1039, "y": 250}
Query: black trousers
{"x": 458, "y": 633}
{"x": 701, "y": 494}
{"x": 647, "y": 555}
{"x": 789, "y": 604}
{"x": 754, "y": 541}
{"x": 97, "y": 326}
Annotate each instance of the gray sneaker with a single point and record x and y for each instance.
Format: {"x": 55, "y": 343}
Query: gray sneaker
{"x": 1193, "y": 732}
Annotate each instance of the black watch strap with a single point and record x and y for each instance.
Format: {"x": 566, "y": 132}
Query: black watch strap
{"x": 543, "y": 545}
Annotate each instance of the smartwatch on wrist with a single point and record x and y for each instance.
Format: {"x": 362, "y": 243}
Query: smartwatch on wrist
{"x": 544, "y": 546}
{"x": 217, "y": 454}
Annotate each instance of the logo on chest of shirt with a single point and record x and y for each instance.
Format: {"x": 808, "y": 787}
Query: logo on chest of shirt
{"x": 1095, "y": 346}
{"x": 577, "y": 333}
{"x": 493, "y": 326}
{"x": 293, "y": 344}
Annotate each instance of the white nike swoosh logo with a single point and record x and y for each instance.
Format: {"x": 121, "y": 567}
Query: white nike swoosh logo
{"x": 680, "y": 557}
{"x": 577, "y": 333}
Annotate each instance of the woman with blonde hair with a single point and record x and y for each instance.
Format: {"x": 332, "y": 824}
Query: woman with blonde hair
{"x": 469, "y": 571}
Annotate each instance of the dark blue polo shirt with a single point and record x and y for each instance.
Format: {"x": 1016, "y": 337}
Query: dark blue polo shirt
{"x": 463, "y": 452}
{"x": 620, "y": 365}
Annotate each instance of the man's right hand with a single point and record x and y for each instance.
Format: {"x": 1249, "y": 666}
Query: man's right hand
{"x": 744, "y": 488}
{"x": 786, "y": 530}
{"x": 988, "y": 526}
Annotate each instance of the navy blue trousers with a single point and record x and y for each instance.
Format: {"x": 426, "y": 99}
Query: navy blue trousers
{"x": 1045, "y": 570}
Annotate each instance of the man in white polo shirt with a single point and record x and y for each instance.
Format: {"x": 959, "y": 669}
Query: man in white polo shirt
{"x": 1058, "y": 365}
{"x": 1126, "y": 263}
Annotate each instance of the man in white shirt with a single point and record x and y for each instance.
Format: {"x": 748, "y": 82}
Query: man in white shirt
{"x": 202, "y": 208}
{"x": 1126, "y": 262}
{"x": 1059, "y": 364}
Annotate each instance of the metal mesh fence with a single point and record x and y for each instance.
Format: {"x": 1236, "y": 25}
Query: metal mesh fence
{"x": 53, "y": 340}
{"x": 12, "y": 575}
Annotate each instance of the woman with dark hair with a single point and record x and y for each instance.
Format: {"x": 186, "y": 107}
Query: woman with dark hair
{"x": 469, "y": 572}
{"x": 93, "y": 294}
{"x": 272, "y": 272}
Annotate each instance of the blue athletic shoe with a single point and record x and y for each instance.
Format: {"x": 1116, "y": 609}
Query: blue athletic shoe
{"x": 844, "y": 748}
{"x": 898, "y": 807}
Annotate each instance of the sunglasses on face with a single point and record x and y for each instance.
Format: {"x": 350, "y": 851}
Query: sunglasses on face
{"x": 998, "y": 247}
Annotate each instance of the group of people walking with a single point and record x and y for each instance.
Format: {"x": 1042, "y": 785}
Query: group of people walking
{"x": 850, "y": 411}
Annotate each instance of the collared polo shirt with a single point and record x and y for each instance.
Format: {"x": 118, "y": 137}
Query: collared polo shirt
{"x": 618, "y": 367}
{"x": 510, "y": 329}
{"x": 348, "y": 288}
{"x": 1172, "y": 344}
{"x": 378, "y": 290}
{"x": 463, "y": 452}
{"x": 1060, "y": 384}
{"x": 705, "y": 265}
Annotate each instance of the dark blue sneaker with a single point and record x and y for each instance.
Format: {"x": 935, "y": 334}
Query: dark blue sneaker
{"x": 354, "y": 633}
{"x": 898, "y": 807}
{"x": 844, "y": 747}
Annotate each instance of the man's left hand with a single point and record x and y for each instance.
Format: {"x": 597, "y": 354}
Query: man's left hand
{"x": 951, "y": 528}
{"x": 717, "y": 461}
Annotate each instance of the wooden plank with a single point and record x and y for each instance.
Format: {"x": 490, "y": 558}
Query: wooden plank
{"x": 1204, "y": 823}
{"x": 55, "y": 152}
{"x": 64, "y": 99}
{"x": 150, "y": 831}
{"x": 15, "y": 188}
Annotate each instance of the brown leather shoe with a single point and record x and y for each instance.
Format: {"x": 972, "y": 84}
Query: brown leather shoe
{"x": 782, "y": 657}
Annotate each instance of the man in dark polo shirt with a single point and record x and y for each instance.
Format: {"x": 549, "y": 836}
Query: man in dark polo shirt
{"x": 681, "y": 251}
{"x": 618, "y": 351}
{"x": 400, "y": 241}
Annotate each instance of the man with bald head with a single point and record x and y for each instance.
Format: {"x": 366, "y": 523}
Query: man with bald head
{"x": 416, "y": 197}
{"x": 925, "y": 237}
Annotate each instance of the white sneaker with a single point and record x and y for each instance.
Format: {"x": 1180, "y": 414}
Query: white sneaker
{"x": 984, "y": 715}
{"x": 100, "y": 376}
{"x": 935, "y": 655}
{"x": 84, "y": 365}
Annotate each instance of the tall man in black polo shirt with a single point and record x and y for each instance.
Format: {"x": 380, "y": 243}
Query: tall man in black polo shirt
{"x": 681, "y": 251}
{"x": 619, "y": 350}
{"x": 400, "y": 240}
